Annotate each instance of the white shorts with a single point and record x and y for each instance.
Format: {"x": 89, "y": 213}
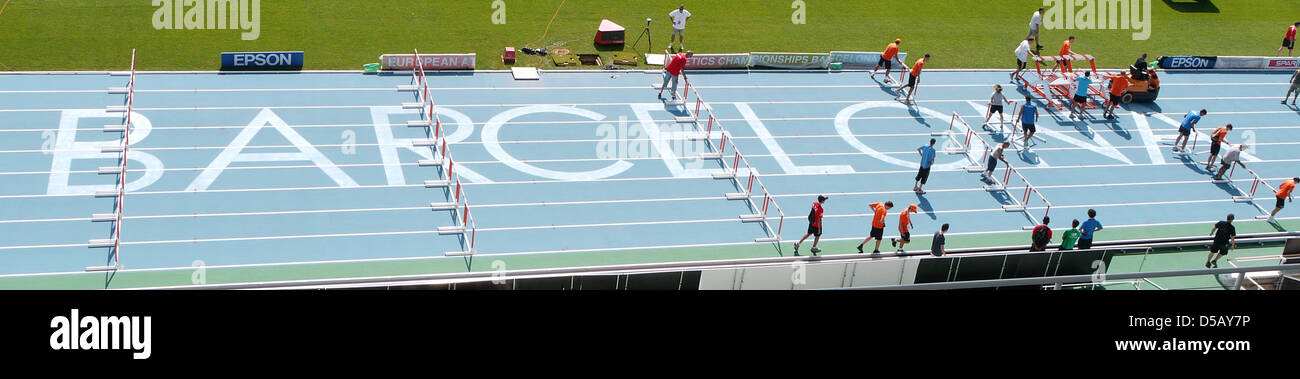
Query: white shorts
{"x": 678, "y": 32}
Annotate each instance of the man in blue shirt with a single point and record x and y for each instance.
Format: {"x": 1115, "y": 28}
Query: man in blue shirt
{"x": 1088, "y": 227}
{"x": 1028, "y": 117}
{"x": 927, "y": 160}
{"x": 1185, "y": 129}
{"x": 1081, "y": 94}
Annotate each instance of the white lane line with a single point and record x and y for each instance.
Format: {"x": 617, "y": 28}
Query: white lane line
{"x": 624, "y": 201}
{"x": 553, "y": 88}
{"x": 625, "y": 104}
{"x": 636, "y": 179}
{"x": 602, "y": 225}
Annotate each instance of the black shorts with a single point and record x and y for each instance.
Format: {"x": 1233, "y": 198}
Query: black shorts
{"x": 1184, "y": 132}
{"x": 1287, "y": 43}
{"x": 1080, "y": 99}
{"x": 995, "y": 108}
{"x": 993, "y": 164}
{"x": 923, "y": 174}
{"x": 1115, "y": 99}
{"x": 1084, "y": 244}
{"x": 905, "y": 237}
{"x": 1219, "y": 248}
{"x": 1214, "y": 147}
{"x": 887, "y": 63}
{"x": 815, "y": 230}
{"x": 911, "y": 80}
{"x": 1029, "y": 128}
{"x": 878, "y": 233}
{"x": 1281, "y": 202}
{"x": 1021, "y": 64}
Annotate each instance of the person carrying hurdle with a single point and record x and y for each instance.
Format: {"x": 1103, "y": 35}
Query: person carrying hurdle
{"x": 887, "y": 59}
{"x": 1283, "y": 193}
{"x": 1186, "y": 128}
{"x": 1232, "y": 157}
{"x": 1220, "y": 136}
{"x": 674, "y": 69}
{"x": 1066, "y": 50}
{"x": 1118, "y": 84}
{"x": 1027, "y": 117}
{"x": 995, "y": 105}
{"x": 814, "y": 225}
{"x": 1295, "y": 88}
{"x": 877, "y": 225}
{"x": 912, "y": 77}
{"x": 904, "y": 228}
{"x": 994, "y": 157}
{"x": 1288, "y": 41}
{"x": 1081, "y": 95}
{"x": 1023, "y": 54}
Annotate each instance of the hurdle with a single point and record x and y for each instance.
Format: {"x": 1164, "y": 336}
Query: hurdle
{"x": 731, "y": 171}
{"x": 454, "y": 189}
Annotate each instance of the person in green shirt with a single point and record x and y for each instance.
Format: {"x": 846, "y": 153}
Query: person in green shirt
{"x": 1071, "y": 236}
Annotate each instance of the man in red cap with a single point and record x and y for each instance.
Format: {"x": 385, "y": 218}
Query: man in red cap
{"x": 904, "y": 228}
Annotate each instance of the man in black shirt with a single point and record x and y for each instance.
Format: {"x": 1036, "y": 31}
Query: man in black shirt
{"x": 936, "y": 244}
{"x": 1139, "y": 71}
{"x": 1225, "y": 236}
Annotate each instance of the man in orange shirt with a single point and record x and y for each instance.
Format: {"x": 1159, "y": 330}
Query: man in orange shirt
{"x": 1219, "y": 136}
{"x": 912, "y": 76}
{"x": 904, "y": 228}
{"x": 877, "y": 225}
{"x": 1065, "y": 50}
{"x": 1283, "y": 193}
{"x": 887, "y": 59}
{"x": 1118, "y": 84}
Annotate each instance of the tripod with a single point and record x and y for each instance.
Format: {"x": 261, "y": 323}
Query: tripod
{"x": 650, "y": 44}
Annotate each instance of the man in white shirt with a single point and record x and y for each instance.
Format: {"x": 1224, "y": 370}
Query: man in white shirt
{"x": 1023, "y": 53}
{"x": 1036, "y": 22}
{"x": 679, "y": 18}
{"x": 1233, "y": 157}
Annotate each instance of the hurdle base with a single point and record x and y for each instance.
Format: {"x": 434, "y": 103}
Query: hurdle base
{"x": 752, "y": 218}
{"x": 437, "y": 183}
{"x": 684, "y": 119}
{"x": 939, "y": 134}
{"x": 995, "y": 188}
{"x": 710, "y": 156}
{"x": 737, "y": 196}
{"x": 442, "y": 207}
{"x": 445, "y": 230}
{"x": 407, "y": 87}
{"x": 678, "y": 102}
{"x": 109, "y": 170}
{"x": 424, "y": 142}
{"x": 118, "y": 90}
{"x": 1221, "y": 181}
{"x": 1013, "y": 208}
{"x": 420, "y": 123}
{"x": 106, "y": 193}
{"x": 103, "y": 217}
{"x": 101, "y": 243}
{"x": 429, "y": 162}
{"x": 724, "y": 175}
{"x": 114, "y": 128}
{"x": 459, "y": 253}
{"x": 412, "y": 105}
{"x": 974, "y": 169}
{"x": 102, "y": 268}
{"x": 767, "y": 239}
